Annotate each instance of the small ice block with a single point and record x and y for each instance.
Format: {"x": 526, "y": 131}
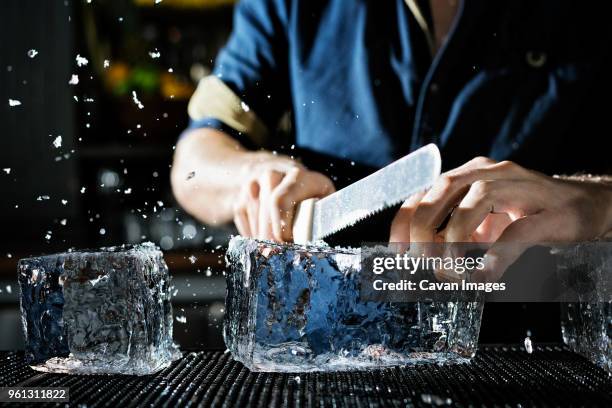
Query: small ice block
{"x": 587, "y": 329}
{"x": 105, "y": 311}
{"x": 586, "y": 321}
{"x": 293, "y": 308}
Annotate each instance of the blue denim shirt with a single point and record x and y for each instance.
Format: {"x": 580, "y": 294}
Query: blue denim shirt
{"x": 527, "y": 80}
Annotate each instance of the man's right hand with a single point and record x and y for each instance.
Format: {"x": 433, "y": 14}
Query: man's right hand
{"x": 267, "y": 200}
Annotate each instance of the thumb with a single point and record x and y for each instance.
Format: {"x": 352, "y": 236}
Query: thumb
{"x": 400, "y": 227}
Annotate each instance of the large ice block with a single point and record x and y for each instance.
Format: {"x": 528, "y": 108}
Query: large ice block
{"x": 297, "y": 308}
{"x": 100, "y": 311}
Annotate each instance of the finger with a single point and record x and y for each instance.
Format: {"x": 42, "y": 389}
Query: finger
{"x": 448, "y": 191}
{"x": 267, "y": 182}
{"x": 252, "y": 207}
{"x": 442, "y": 197}
{"x": 486, "y": 197}
{"x": 434, "y": 208}
{"x": 284, "y": 166}
{"x": 491, "y": 228}
{"x": 400, "y": 226}
{"x": 282, "y": 208}
{"x": 242, "y": 222}
{"x": 241, "y": 216}
{"x": 516, "y": 239}
{"x": 296, "y": 186}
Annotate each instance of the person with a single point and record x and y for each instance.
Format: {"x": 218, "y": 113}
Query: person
{"x": 514, "y": 93}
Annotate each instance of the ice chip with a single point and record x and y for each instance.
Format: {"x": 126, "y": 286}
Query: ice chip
{"x": 81, "y": 61}
{"x": 74, "y": 80}
{"x": 137, "y": 101}
{"x": 296, "y": 308}
{"x": 14, "y": 102}
{"x": 57, "y": 142}
{"x": 528, "y": 345}
{"x": 104, "y": 311}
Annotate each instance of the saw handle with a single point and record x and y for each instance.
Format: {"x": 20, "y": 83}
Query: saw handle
{"x": 302, "y": 222}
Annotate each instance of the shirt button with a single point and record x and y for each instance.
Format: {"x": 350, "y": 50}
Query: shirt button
{"x": 536, "y": 59}
{"x": 433, "y": 88}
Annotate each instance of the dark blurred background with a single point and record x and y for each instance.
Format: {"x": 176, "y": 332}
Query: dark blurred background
{"x": 81, "y": 165}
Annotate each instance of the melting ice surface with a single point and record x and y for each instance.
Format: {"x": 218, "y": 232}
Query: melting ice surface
{"x": 105, "y": 311}
{"x": 296, "y": 308}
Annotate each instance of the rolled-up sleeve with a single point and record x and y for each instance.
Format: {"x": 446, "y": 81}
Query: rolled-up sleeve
{"x": 248, "y": 91}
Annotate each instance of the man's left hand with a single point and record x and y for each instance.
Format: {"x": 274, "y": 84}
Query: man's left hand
{"x": 503, "y": 202}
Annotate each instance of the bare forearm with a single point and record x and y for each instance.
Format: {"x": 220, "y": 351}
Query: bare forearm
{"x": 217, "y": 180}
{"x": 603, "y": 183}
{"x": 208, "y": 170}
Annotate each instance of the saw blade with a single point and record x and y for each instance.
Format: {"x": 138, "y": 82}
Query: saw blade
{"x": 387, "y": 187}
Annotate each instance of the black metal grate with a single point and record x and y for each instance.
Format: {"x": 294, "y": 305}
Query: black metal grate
{"x": 497, "y": 376}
